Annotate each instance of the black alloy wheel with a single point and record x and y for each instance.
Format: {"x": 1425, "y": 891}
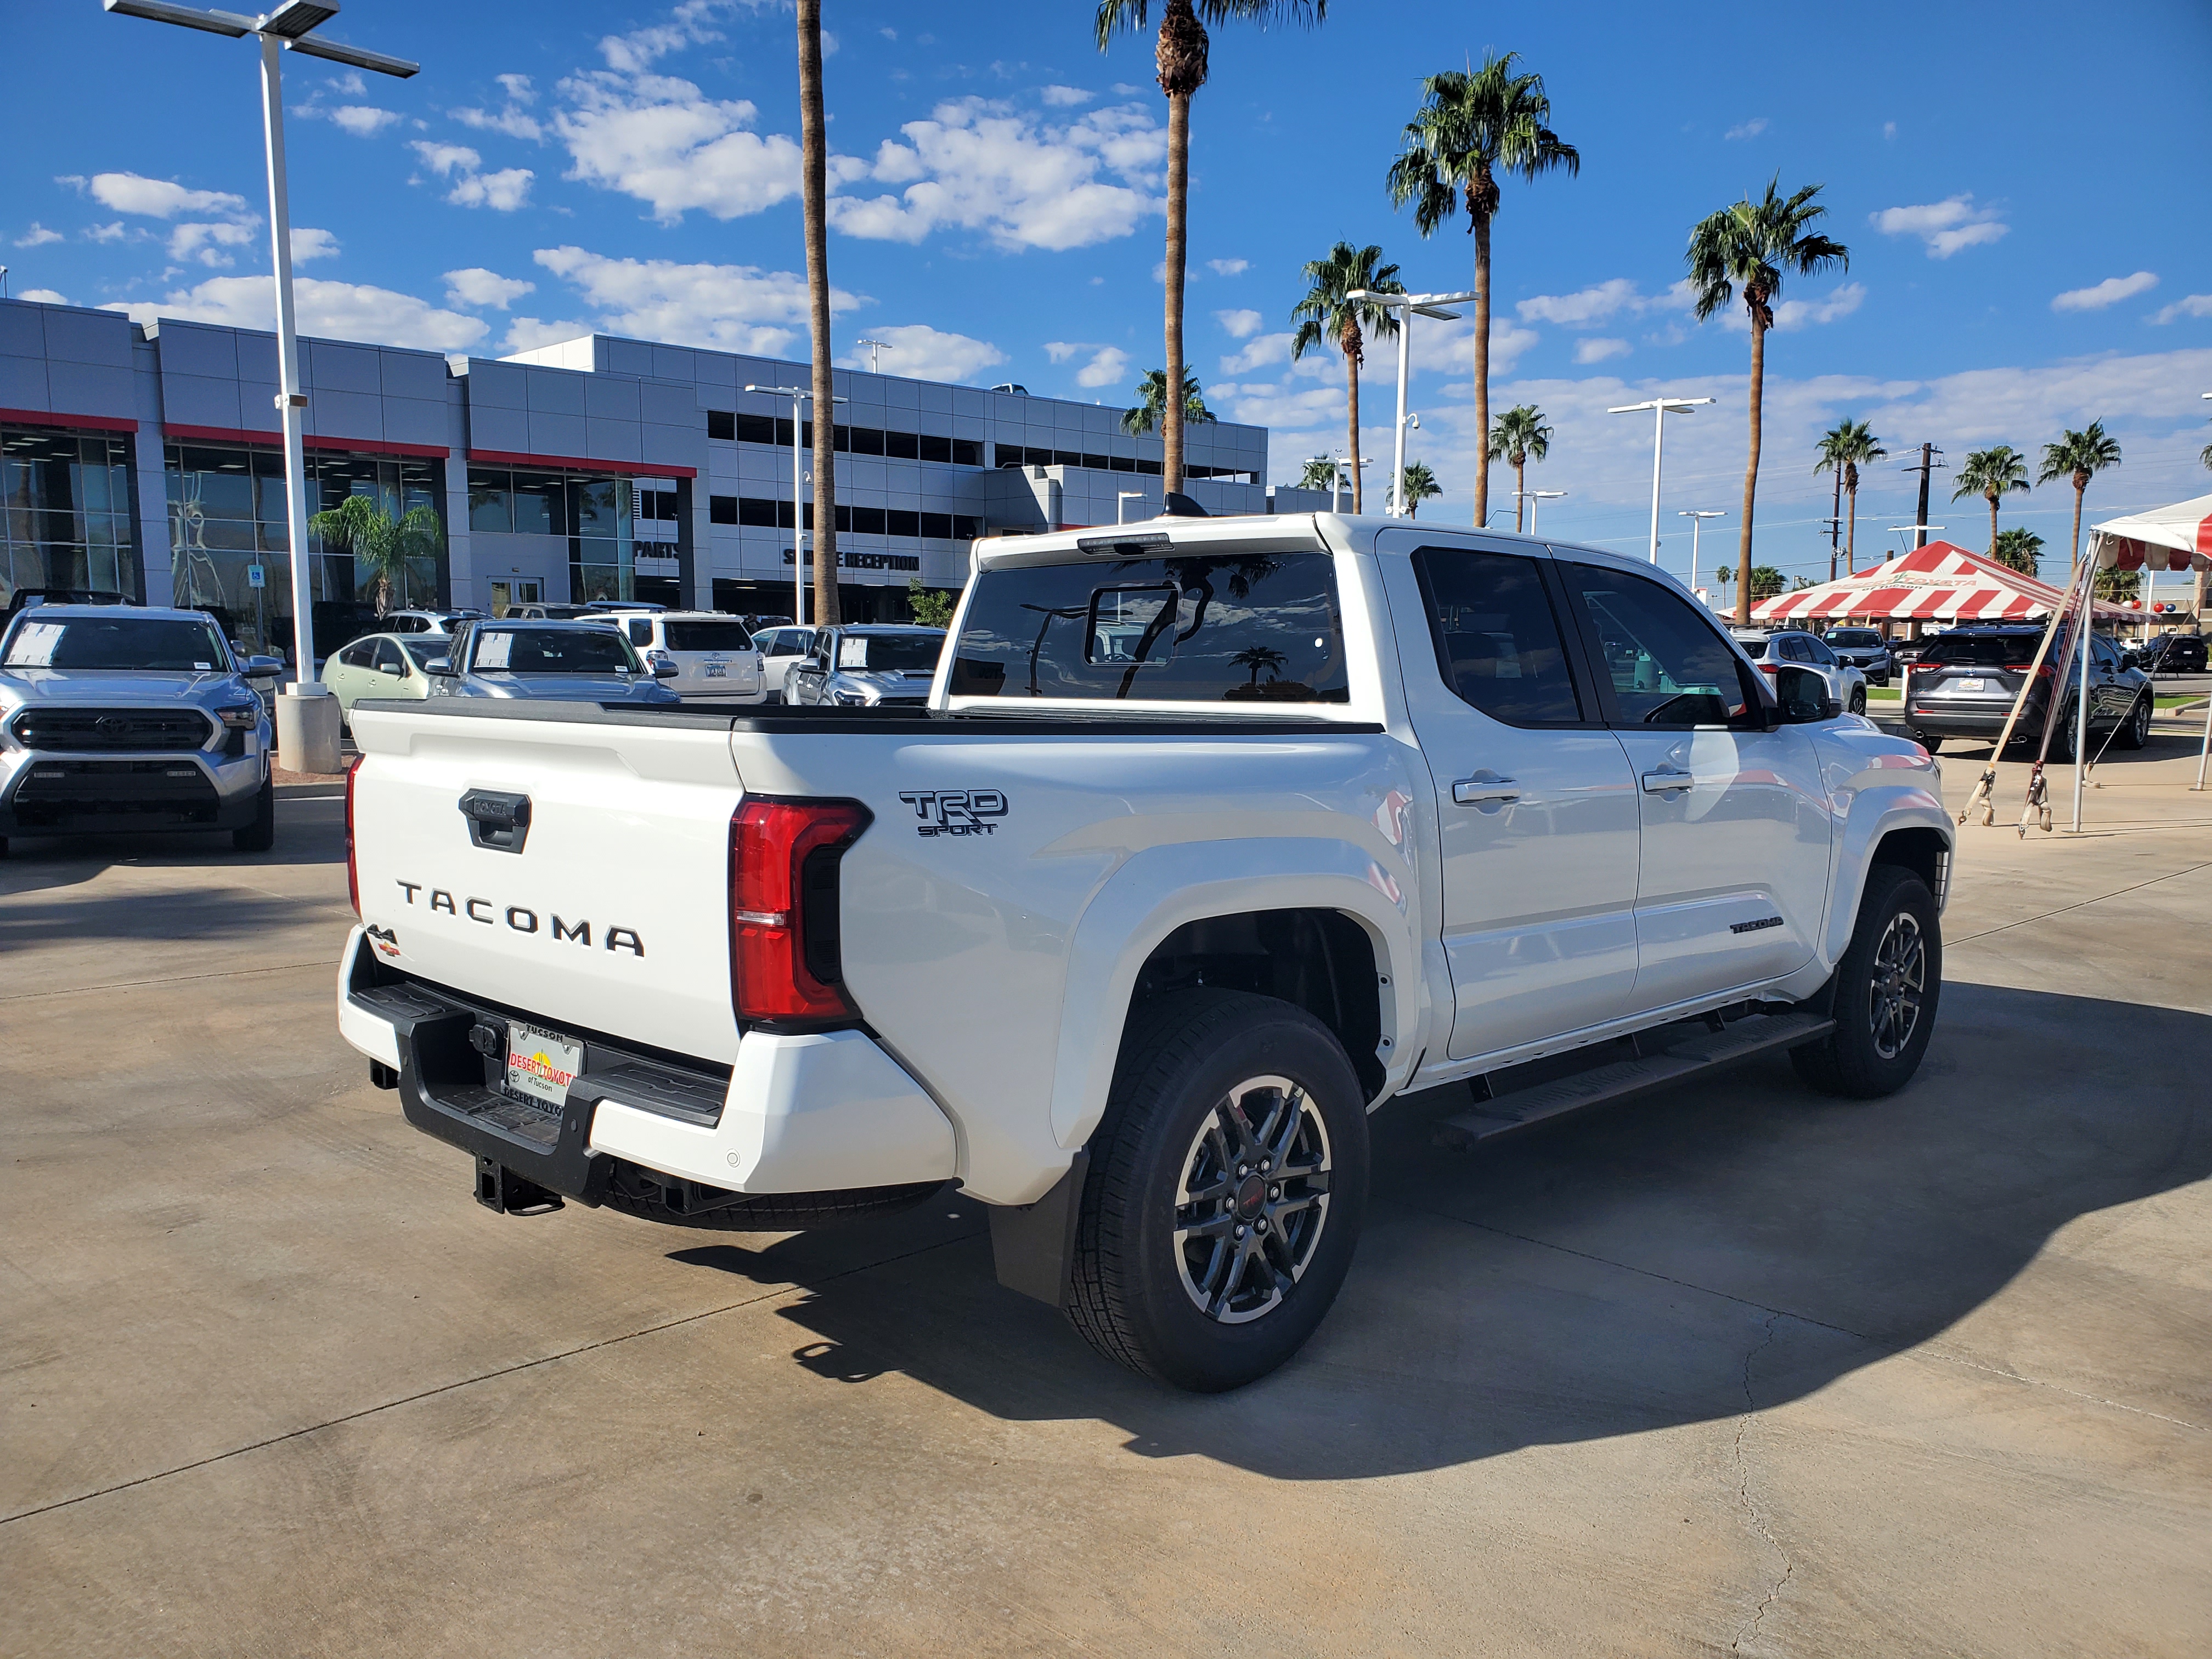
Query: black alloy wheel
{"x": 1858, "y": 700}
{"x": 1228, "y": 1183}
{"x": 1886, "y": 992}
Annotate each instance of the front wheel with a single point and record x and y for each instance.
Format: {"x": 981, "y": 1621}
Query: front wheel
{"x": 259, "y": 836}
{"x": 1228, "y": 1183}
{"x": 1858, "y": 700}
{"x": 2135, "y": 731}
{"x": 1886, "y": 992}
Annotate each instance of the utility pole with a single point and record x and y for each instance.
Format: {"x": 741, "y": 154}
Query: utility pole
{"x": 1928, "y": 464}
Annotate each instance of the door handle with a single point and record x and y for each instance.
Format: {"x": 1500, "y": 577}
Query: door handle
{"x": 1470, "y": 792}
{"x": 1667, "y": 780}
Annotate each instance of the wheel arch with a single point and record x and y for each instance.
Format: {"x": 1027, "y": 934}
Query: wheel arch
{"x": 1897, "y": 825}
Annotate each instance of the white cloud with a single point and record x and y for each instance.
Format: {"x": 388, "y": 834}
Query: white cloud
{"x": 504, "y": 192}
{"x": 1750, "y": 129}
{"x": 518, "y": 87}
{"x": 2189, "y": 305}
{"x": 1946, "y": 226}
{"x": 922, "y": 353}
{"x": 1802, "y": 314}
{"x": 308, "y": 243}
{"x": 1586, "y": 306}
{"x": 1596, "y": 350}
{"x": 473, "y": 285}
{"x": 1889, "y": 129}
{"x": 514, "y": 123}
{"x": 44, "y": 296}
{"x": 1263, "y": 349}
{"x": 111, "y": 232}
{"x": 361, "y": 120}
{"x": 2110, "y": 292}
{"x": 37, "y": 236}
{"x": 665, "y": 142}
{"x": 159, "y": 198}
{"x": 1064, "y": 97}
{"x": 1239, "y": 324}
{"x": 1109, "y": 368}
{"x": 733, "y": 308}
{"x": 343, "y": 311}
{"x": 1229, "y": 267}
{"x": 206, "y": 243}
{"x": 1061, "y": 350}
{"x": 528, "y": 333}
{"x": 976, "y": 165}
{"x": 635, "y": 52}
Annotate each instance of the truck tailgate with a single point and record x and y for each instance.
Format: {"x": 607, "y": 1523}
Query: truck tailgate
{"x": 607, "y": 912}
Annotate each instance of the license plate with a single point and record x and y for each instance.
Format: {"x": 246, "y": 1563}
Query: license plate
{"x": 1973, "y": 685}
{"x": 718, "y": 671}
{"x": 540, "y": 1064}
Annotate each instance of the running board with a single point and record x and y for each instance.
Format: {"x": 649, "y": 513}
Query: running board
{"x": 1705, "y": 1051}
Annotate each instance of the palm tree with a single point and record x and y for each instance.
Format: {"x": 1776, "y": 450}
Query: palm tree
{"x": 1328, "y": 316}
{"x": 1847, "y": 446}
{"x": 1991, "y": 474}
{"x": 1321, "y": 473}
{"x": 1472, "y": 127}
{"x": 1752, "y": 246}
{"x": 816, "y": 147}
{"x": 2016, "y": 549}
{"x": 1149, "y": 413}
{"x": 1181, "y": 56}
{"x": 389, "y": 548}
{"x": 1519, "y": 437}
{"x": 2078, "y": 457}
{"x": 1257, "y": 657}
{"x": 1418, "y": 484}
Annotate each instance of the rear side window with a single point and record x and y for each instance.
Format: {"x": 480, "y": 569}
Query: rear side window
{"x": 1222, "y": 628}
{"x": 641, "y": 631}
{"x": 708, "y": 637}
{"x": 1667, "y": 667}
{"x": 1497, "y": 640}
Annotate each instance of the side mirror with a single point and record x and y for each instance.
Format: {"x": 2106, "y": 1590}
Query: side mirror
{"x": 1803, "y": 696}
{"x": 441, "y": 666}
{"x": 2128, "y": 659}
{"x": 260, "y": 668}
{"x": 664, "y": 670}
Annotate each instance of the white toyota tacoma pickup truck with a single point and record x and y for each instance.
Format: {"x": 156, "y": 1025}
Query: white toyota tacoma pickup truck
{"x": 1214, "y": 836}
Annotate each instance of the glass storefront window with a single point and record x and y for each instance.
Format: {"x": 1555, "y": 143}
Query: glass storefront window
{"x": 66, "y": 512}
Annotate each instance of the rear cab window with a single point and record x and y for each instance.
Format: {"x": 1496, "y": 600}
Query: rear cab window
{"x": 1499, "y": 641}
{"x": 1251, "y": 627}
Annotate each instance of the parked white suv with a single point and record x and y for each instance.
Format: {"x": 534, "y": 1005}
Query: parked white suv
{"x": 1214, "y": 836}
{"x": 716, "y": 659}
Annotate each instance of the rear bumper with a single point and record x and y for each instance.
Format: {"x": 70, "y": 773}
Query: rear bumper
{"x": 50, "y": 792}
{"x": 796, "y": 1113}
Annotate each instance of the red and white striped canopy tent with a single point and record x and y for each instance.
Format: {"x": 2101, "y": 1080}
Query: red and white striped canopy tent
{"x": 2176, "y": 537}
{"x": 1938, "y": 583}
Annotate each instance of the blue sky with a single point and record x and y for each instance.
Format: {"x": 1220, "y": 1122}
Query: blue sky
{"x": 2022, "y": 188}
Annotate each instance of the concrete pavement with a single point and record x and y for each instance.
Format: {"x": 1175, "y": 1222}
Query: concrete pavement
{"x": 1726, "y": 1370}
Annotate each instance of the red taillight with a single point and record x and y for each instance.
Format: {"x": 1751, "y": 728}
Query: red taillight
{"x": 2041, "y": 671}
{"x": 785, "y": 959}
{"x": 352, "y": 869}
{"x": 1770, "y": 668}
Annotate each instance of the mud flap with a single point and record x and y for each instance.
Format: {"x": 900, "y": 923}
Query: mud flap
{"x": 1033, "y": 1245}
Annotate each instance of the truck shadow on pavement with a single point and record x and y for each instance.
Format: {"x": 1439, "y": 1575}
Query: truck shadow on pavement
{"x": 1677, "y": 1259}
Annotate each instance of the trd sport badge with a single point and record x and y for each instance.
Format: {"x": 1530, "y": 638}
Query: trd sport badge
{"x": 955, "y": 811}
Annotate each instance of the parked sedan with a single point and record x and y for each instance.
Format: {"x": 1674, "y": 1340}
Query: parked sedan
{"x": 1771, "y": 651}
{"x": 568, "y": 661}
{"x": 382, "y": 665}
{"x": 874, "y": 665}
{"x": 1964, "y": 683}
{"x": 1864, "y": 649}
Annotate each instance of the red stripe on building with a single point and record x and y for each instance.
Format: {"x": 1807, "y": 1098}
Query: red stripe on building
{"x": 230, "y": 435}
{"x": 75, "y": 422}
{"x": 578, "y": 462}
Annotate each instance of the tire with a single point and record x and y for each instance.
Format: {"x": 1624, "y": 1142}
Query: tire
{"x": 1858, "y": 700}
{"x": 1932, "y": 743}
{"x": 1212, "y": 1293}
{"x": 2062, "y": 739}
{"x": 259, "y": 836}
{"x": 1883, "y": 1017}
{"x": 2135, "y": 731}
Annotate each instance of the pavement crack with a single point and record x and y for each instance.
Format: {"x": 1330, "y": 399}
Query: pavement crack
{"x": 458, "y": 1383}
{"x": 2172, "y": 875}
{"x": 1743, "y": 1496}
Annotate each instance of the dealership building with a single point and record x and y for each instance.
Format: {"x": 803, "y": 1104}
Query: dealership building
{"x": 147, "y": 461}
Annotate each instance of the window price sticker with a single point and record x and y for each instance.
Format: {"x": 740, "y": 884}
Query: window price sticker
{"x": 492, "y": 650}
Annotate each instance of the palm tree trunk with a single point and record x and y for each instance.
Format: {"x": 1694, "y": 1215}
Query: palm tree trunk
{"x": 818, "y": 294}
{"x": 1993, "y": 526}
{"x": 1351, "y": 404}
{"x": 1178, "y": 230}
{"x": 1520, "y": 495}
{"x": 2074, "y": 563}
{"x": 1482, "y": 366}
{"x": 1851, "y": 534}
{"x": 1751, "y": 475}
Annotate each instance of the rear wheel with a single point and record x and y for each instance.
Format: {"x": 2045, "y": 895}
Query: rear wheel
{"x": 2135, "y": 731}
{"x": 1886, "y": 989}
{"x": 259, "y": 836}
{"x": 1228, "y": 1183}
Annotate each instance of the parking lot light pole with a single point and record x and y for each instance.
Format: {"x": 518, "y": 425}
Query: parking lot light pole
{"x": 798, "y": 396}
{"x": 1536, "y": 498}
{"x": 1660, "y": 408}
{"x": 1409, "y": 305}
{"x": 314, "y": 739}
{"x": 1696, "y": 523}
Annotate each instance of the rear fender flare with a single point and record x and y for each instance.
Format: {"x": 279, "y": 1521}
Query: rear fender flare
{"x": 1161, "y": 888}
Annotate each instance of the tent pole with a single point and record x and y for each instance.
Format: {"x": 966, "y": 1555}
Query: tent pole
{"x": 2081, "y": 692}
{"x": 2206, "y": 749}
{"x": 1985, "y": 793}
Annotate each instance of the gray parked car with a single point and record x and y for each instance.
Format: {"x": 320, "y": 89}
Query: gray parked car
{"x": 124, "y": 717}
{"x": 871, "y": 665}
{"x": 1864, "y": 649}
{"x": 570, "y": 661}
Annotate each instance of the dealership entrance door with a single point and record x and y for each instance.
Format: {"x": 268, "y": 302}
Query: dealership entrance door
{"x": 505, "y": 595}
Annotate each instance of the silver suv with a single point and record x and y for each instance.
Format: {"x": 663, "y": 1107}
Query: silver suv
{"x": 127, "y": 718}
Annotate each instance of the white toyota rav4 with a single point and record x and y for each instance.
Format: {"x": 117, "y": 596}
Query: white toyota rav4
{"x": 1214, "y": 836}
